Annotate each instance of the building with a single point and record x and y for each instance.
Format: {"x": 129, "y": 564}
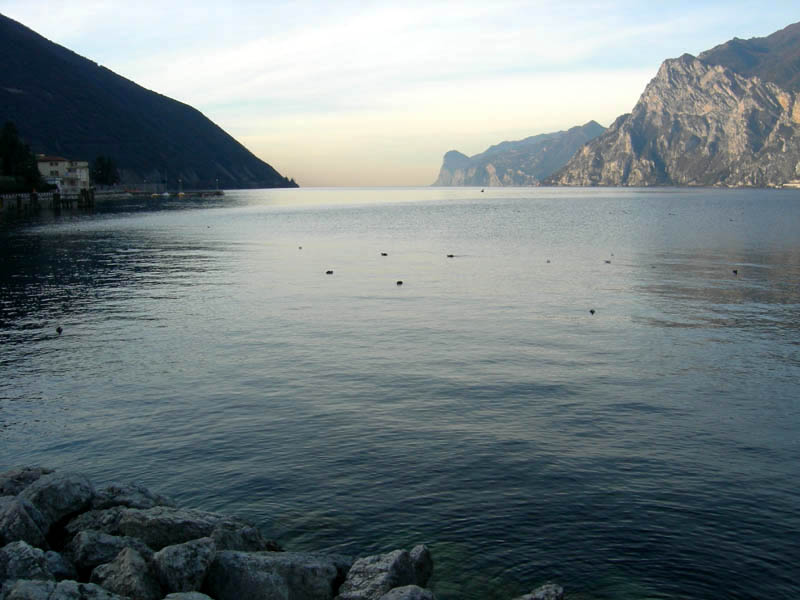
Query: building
{"x": 71, "y": 176}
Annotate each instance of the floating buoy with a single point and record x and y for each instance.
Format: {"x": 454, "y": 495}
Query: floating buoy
{"x": 328, "y": 272}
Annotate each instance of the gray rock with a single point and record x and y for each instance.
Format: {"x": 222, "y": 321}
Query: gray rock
{"x": 20, "y": 520}
{"x": 373, "y": 576}
{"x": 423, "y": 564}
{"x": 58, "y": 495}
{"x": 301, "y": 576}
{"x": 59, "y": 566}
{"x": 49, "y": 590}
{"x": 165, "y": 526}
{"x": 132, "y": 495}
{"x": 91, "y": 548}
{"x": 19, "y": 560}
{"x": 549, "y": 591}
{"x": 408, "y": 592}
{"x": 128, "y": 575}
{"x": 183, "y": 567}
{"x": 187, "y": 596}
{"x": 14, "y": 481}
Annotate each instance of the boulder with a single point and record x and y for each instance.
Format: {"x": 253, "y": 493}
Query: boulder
{"x": 295, "y": 575}
{"x": 408, "y": 592}
{"x": 91, "y": 548}
{"x": 183, "y": 567}
{"x": 49, "y": 590}
{"x": 20, "y": 520}
{"x": 373, "y": 576}
{"x": 14, "y": 481}
{"x": 19, "y": 560}
{"x": 131, "y": 495}
{"x": 165, "y": 526}
{"x": 423, "y": 564}
{"x": 187, "y": 596}
{"x": 128, "y": 575}
{"x": 59, "y": 566}
{"x": 58, "y": 495}
{"x": 549, "y": 591}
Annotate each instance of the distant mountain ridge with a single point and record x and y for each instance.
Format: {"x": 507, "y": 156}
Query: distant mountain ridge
{"x": 522, "y": 162}
{"x": 67, "y": 105}
{"x": 730, "y": 117}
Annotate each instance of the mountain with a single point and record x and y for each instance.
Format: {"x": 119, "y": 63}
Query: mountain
{"x": 701, "y": 121}
{"x": 523, "y": 162}
{"x": 64, "y": 104}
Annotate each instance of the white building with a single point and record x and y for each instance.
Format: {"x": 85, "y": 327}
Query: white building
{"x": 71, "y": 176}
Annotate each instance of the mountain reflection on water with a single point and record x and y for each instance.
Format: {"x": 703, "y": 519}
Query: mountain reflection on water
{"x": 646, "y": 450}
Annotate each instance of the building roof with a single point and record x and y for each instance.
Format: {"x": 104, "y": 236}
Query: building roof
{"x": 45, "y": 158}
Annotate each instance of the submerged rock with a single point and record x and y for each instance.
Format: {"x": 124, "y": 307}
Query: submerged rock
{"x": 423, "y": 564}
{"x": 128, "y": 575}
{"x": 549, "y": 591}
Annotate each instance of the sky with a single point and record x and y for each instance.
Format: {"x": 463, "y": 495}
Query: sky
{"x": 366, "y": 93}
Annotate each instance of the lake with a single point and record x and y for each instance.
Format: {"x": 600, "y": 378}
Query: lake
{"x": 650, "y": 449}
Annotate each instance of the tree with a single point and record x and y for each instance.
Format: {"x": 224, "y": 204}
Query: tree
{"x": 104, "y": 171}
{"x": 17, "y": 163}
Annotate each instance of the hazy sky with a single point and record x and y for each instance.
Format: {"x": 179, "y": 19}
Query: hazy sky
{"x": 374, "y": 93}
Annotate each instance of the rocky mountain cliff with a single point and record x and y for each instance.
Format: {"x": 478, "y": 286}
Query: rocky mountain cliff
{"x": 700, "y": 122}
{"x": 64, "y": 104}
{"x": 522, "y": 162}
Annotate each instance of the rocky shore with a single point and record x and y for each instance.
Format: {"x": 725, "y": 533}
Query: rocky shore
{"x": 61, "y": 538}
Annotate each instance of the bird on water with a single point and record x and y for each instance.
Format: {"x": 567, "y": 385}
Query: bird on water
{"x": 59, "y": 329}
{"x": 328, "y": 272}
{"x": 399, "y": 283}
{"x": 591, "y": 311}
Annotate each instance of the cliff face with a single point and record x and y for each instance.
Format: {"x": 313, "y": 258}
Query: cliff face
{"x": 696, "y": 124}
{"x": 67, "y": 105}
{"x": 523, "y": 162}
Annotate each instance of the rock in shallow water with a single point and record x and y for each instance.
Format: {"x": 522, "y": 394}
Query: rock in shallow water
{"x": 373, "y": 576}
{"x": 408, "y": 592}
{"x": 91, "y": 548}
{"x": 423, "y": 564}
{"x": 14, "y": 481}
{"x": 267, "y": 575}
{"x": 131, "y": 495}
{"x": 549, "y": 591}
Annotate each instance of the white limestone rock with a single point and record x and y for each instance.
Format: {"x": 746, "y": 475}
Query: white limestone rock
{"x": 131, "y": 495}
{"x": 21, "y": 520}
{"x": 128, "y": 575}
{"x": 19, "y": 560}
{"x": 408, "y": 592}
{"x": 58, "y": 495}
{"x": 90, "y": 548}
{"x": 23, "y": 589}
{"x": 183, "y": 567}
{"x": 373, "y": 576}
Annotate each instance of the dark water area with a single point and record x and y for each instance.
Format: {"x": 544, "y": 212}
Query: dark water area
{"x": 649, "y": 450}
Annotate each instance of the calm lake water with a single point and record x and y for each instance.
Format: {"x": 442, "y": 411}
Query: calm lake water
{"x": 651, "y": 450}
